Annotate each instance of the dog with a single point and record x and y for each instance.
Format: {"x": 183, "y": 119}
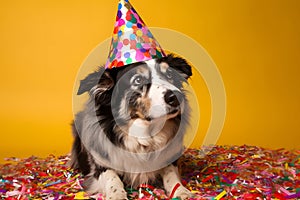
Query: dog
{"x": 131, "y": 129}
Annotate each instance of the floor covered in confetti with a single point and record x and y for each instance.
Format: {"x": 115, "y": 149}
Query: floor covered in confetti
{"x": 219, "y": 172}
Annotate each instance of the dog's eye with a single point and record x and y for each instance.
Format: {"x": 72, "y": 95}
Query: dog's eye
{"x": 138, "y": 80}
{"x": 169, "y": 73}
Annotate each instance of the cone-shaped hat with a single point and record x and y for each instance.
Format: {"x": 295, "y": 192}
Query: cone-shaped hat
{"x": 132, "y": 41}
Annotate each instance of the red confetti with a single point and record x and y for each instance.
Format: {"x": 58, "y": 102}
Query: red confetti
{"x": 243, "y": 172}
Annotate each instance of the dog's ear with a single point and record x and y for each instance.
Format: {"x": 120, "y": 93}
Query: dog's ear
{"x": 97, "y": 81}
{"x": 179, "y": 64}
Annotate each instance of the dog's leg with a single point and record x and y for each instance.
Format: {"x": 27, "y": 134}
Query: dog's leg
{"x": 171, "y": 178}
{"x": 108, "y": 183}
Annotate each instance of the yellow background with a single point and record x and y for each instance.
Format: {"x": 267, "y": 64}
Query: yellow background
{"x": 255, "y": 44}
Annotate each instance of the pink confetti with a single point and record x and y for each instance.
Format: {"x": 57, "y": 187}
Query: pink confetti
{"x": 205, "y": 172}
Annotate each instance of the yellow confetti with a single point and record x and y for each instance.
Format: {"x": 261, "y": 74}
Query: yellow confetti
{"x": 204, "y": 169}
{"x": 286, "y": 165}
{"x": 244, "y": 161}
{"x": 256, "y": 156}
{"x": 222, "y": 194}
{"x": 81, "y": 195}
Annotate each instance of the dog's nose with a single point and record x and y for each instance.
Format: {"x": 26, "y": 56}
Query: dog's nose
{"x": 173, "y": 98}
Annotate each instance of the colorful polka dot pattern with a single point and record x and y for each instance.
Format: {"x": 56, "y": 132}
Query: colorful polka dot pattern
{"x": 132, "y": 41}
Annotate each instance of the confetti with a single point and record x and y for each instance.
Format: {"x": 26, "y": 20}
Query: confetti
{"x": 219, "y": 196}
{"x": 174, "y": 190}
{"x": 220, "y": 172}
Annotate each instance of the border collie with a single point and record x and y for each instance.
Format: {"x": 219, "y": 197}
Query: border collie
{"x": 131, "y": 128}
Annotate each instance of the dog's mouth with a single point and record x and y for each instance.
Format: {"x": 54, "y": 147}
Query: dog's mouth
{"x": 146, "y": 128}
{"x": 148, "y": 118}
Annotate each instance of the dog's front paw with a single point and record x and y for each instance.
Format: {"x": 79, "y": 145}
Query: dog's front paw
{"x": 183, "y": 193}
{"x": 116, "y": 194}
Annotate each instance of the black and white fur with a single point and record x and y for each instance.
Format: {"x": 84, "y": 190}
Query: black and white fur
{"x": 131, "y": 129}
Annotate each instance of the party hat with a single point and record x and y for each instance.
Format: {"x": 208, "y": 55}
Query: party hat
{"x": 132, "y": 41}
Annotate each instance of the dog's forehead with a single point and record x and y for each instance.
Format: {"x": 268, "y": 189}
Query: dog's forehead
{"x": 143, "y": 70}
{"x": 156, "y": 68}
{"x": 151, "y": 63}
{"x": 155, "y": 71}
